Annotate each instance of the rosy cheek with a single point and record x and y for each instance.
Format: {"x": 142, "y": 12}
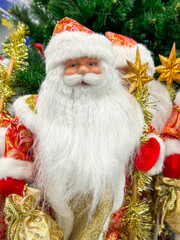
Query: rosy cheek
{"x": 96, "y": 70}
{"x": 70, "y": 71}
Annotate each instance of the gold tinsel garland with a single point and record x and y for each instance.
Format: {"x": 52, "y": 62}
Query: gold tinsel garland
{"x": 17, "y": 52}
{"x": 4, "y": 82}
{"x": 172, "y": 91}
{"x": 144, "y": 179}
{"x": 15, "y": 47}
{"x": 138, "y": 219}
{"x": 142, "y": 97}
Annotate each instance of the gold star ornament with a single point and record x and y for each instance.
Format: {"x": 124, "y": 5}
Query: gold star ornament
{"x": 137, "y": 76}
{"x": 170, "y": 68}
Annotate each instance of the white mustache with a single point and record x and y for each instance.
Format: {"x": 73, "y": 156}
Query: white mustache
{"x": 89, "y": 78}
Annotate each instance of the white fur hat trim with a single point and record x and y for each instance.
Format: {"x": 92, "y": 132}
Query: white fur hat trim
{"x": 72, "y": 45}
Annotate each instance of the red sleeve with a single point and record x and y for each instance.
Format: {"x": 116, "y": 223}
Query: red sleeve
{"x": 18, "y": 143}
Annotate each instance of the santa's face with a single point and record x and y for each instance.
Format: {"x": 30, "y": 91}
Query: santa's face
{"x": 82, "y": 71}
{"x": 82, "y": 65}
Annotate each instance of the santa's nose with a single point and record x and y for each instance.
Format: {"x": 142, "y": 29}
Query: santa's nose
{"x": 83, "y": 70}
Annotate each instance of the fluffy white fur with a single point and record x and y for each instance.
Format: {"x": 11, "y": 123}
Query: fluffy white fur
{"x": 123, "y": 53}
{"x": 14, "y": 168}
{"x": 2, "y": 140}
{"x": 71, "y": 45}
{"x": 160, "y": 105}
{"x": 172, "y": 147}
{"x": 24, "y": 113}
{"x": 177, "y": 99}
{"x": 85, "y": 137}
{"x": 157, "y": 168}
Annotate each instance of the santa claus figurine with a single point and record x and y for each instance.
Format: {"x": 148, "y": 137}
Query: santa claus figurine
{"x": 86, "y": 127}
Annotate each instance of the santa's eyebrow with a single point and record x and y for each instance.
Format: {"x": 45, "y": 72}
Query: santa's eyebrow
{"x": 71, "y": 63}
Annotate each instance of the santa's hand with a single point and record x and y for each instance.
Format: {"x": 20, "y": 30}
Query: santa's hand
{"x": 147, "y": 156}
{"x": 172, "y": 166}
{"x": 18, "y": 169}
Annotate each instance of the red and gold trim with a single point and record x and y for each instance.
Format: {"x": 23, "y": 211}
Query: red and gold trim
{"x": 70, "y": 25}
{"x": 120, "y": 40}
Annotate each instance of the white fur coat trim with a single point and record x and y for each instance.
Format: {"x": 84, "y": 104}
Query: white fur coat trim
{"x": 14, "y": 168}
{"x": 177, "y": 99}
{"x": 157, "y": 168}
{"x": 172, "y": 147}
{"x": 72, "y": 45}
{"x": 122, "y": 54}
{"x": 24, "y": 113}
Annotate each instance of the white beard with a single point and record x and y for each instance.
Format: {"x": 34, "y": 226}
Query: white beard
{"x": 86, "y": 135}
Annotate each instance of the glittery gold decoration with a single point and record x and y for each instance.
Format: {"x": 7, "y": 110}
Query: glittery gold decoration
{"x": 15, "y": 48}
{"x": 26, "y": 221}
{"x": 142, "y": 98}
{"x": 4, "y": 82}
{"x": 139, "y": 79}
{"x": 84, "y": 230}
{"x": 172, "y": 216}
{"x": 172, "y": 91}
{"x": 137, "y": 215}
{"x": 170, "y": 68}
{"x": 168, "y": 190}
{"x": 143, "y": 180}
{"x": 30, "y": 101}
{"x": 137, "y": 219}
{"x": 137, "y": 75}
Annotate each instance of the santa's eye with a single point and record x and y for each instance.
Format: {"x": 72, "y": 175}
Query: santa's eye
{"x": 91, "y": 64}
{"x": 73, "y": 65}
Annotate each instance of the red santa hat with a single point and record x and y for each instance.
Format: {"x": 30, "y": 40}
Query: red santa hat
{"x": 71, "y": 40}
{"x": 124, "y": 48}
